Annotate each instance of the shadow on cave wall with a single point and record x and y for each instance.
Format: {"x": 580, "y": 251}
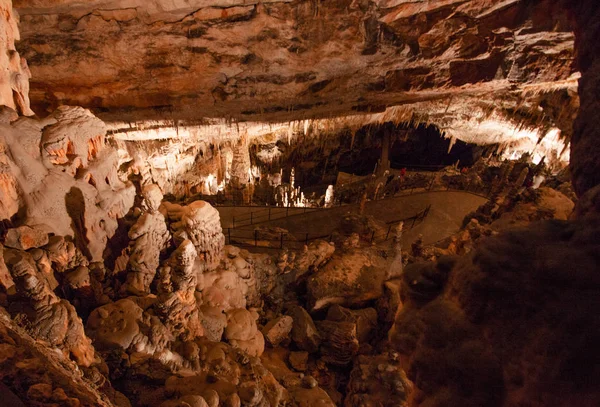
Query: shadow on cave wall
{"x": 75, "y": 204}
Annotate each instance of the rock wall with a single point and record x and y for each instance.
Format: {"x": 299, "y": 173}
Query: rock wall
{"x": 487, "y": 339}
{"x": 9, "y": 33}
{"x": 59, "y": 177}
{"x": 40, "y": 376}
{"x": 585, "y": 166}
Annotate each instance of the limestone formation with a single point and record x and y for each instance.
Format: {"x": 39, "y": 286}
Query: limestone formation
{"x": 304, "y": 331}
{"x": 278, "y": 330}
{"x": 49, "y": 181}
{"x": 26, "y": 237}
{"x": 365, "y": 320}
{"x": 150, "y": 236}
{"x": 199, "y": 222}
{"x": 115, "y": 216}
{"x": 378, "y": 380}
{"x": 460, "y": 312}
{"x": 351, "y": 278}
{"x": 125, "y": 326}
{"x": 62, "y": 254}
{"x": 340, "y": 342}
{"x": 38, "y": 374}
{"x": 6, "y": 280}
{"x": 242, "y": 332}
{"x": 177, "y": 305}
{"x": 55, "y": 320}
{"x": 298, "y": 360}
{"x": 19, "y": 82}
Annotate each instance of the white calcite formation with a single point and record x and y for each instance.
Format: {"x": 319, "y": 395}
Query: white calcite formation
{"x": 242, "y": 332}
{"x": 240, "y": 166}
{"x": 14, "y": 72}
{"x": 150, "y": 236}
{"x": 177, "y": 305}
{"x": 200, "y": 223}
{"x": 61, "y": 175}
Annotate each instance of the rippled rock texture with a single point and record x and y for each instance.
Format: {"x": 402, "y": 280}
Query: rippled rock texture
{"x": 138, "y": 60}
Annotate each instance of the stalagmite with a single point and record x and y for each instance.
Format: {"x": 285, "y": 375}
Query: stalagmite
{"x": 329, "y": 197}
{"x": 177, "y": 306}
{"x": 55, "y": 320}
{"x": 398, "y": 263}
{"x": 199, "y": 222}
{"x": 149, "y": 236}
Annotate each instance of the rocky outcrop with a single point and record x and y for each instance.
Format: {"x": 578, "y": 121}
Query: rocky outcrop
{"x": 177, "y": 304}
{"x": 304, "y": 331}
{"x": 54, "y": 320}
{"x": 14, "y": 88}
{"x": 229, "y": 378}
{"x": 340, "y": 342}
{"x": 124, "y": 325}
{"x": 242, "y": 332}
{"x": 585, "y": 146}
{"x": 278, "y": 330}
{"x": 26, "y": 237}
{"x": 36, "y": 374}
{"x": 378, "y": 380}
{"x": 488, "y": 326}
{"x": 350, "y": 278}
{"x": 62, "y": 178}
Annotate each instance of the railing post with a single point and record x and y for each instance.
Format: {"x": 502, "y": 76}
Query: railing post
{"x": 255, "y": 237}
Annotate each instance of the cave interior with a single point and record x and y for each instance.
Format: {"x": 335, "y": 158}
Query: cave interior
{"x": 337, "y": 203}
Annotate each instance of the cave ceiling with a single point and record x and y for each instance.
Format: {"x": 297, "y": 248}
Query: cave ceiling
{"x": 454, "y": 63}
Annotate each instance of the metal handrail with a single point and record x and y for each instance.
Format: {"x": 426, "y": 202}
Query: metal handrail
{"x": 304, "y": 237}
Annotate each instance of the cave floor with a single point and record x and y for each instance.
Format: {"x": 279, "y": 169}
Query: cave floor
{"x": 448, "y": 208}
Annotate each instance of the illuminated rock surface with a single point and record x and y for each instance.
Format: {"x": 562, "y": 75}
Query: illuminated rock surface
{"x": 274, "y": 126}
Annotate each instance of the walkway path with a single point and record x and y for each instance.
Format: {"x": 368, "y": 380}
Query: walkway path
{"x": 448, "y": 208}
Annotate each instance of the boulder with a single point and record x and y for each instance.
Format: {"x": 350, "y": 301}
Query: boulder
{"x": 277, "y": 330}
{"x": 377, "y": 380}
{"x": 365, "y": 320}
{"x": 298, "y": 360}
{"x": 304, "y": 331}
{"x": 340, "y": 343}
{"x": 242, "y": 332}
{"x": 349, "y": 279}
{"x": 26, "y": 237}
